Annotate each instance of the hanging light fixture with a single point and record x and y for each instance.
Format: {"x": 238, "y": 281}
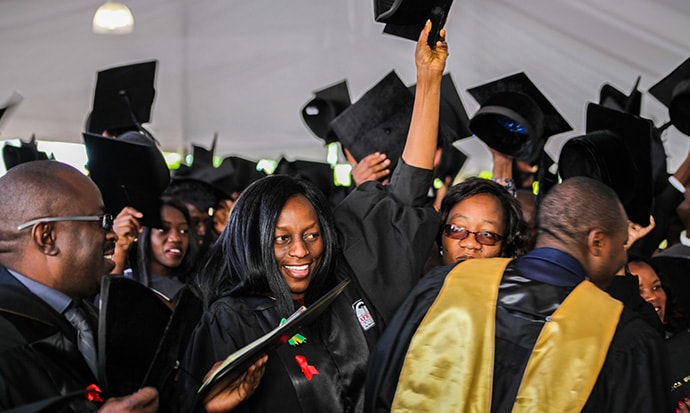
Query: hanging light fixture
{"x": 113, "y": 18}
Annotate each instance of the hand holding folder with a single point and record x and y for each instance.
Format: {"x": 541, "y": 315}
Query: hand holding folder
{"x": 238, "y": 363}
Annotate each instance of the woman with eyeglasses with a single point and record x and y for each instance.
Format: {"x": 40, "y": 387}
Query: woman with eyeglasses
{"x": 481, "y": 219}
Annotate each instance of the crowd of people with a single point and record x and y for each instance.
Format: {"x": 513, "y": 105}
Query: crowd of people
{"x": 486, "y": 299}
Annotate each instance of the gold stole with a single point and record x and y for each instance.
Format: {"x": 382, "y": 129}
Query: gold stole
{"x": 449, "y": 364}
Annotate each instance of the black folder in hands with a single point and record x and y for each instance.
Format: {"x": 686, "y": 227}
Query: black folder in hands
{"x": 236, "y": 363}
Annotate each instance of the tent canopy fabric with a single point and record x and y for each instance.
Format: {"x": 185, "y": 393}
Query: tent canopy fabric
{"x": 245, "y": 69}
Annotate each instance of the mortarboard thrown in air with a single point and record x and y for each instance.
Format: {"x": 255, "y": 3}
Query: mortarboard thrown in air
{"x": 612, "y": 98}
{"x": 406, "y": 18}
{"x": 123, "y": 99}
{"x": 674, "y": 92}
{"x": 515, "y": 118}
{"x": 326, "y": 105}
{"x": 378, "y": 121}
{"x": 616, "y": 151}
{"x": 129, "y": 171}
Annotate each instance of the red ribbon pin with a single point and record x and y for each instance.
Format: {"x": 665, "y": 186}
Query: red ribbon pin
{"x": 307, "y": 369}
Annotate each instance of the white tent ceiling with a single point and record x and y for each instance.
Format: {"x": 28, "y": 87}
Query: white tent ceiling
{"x": 245, "y": 68}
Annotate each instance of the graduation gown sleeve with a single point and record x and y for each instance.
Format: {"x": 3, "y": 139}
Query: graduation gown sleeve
{"x": 386, "y": 235}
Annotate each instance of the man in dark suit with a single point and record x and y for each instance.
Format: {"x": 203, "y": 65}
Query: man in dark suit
{"x": 55, "y": 245}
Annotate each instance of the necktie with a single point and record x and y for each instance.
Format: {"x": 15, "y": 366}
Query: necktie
{"x": 87, "y": 344}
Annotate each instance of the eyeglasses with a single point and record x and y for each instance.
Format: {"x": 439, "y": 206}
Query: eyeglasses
{"x": 106, "y": 221}
{"x": 483, "y": 237}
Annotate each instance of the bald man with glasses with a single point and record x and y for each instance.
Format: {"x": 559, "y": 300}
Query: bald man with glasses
{"x": 56, "y": 243}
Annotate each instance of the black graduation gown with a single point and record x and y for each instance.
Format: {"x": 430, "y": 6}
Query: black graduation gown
{"x": 633, "y": 377}
{"x": 39, "y": 356}
{"x": 385, "y": 234}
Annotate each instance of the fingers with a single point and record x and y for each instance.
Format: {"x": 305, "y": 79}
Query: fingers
{"x": 424, "y": 34}
{"x": 254, "y": 374}
{"x": 145, "y": 400}
{"x": 127, "y": 226}
{"x": 235, "y": 392}
{"x": 372, "y": 167}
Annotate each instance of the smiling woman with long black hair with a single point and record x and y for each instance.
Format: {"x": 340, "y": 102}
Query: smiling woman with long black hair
{"x": 283, "y": 247}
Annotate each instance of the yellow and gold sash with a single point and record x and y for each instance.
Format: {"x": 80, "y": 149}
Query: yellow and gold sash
{"x": 449, "y": 364}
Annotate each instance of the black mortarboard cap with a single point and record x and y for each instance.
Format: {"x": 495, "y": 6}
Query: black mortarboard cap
{"x": 202, "y": 157}
{"x": 193, "y": 191}
{"x": 204, "y": 186}
{"x": 243, "y": 175}
{"x": 406, "y": 18}
{"x": 452, "y": 160}
{"x": 123, "y": 365}
{"x": 318, "y": 173}
{"x": 612, "y": 98}
{"x": 160, "y": 334}
{"x": 26, "y": 152}
{"x": 674, "y": 92}
{"x": 615, "y": 151}
{"x": 326, "y": 105}
{"x": 123, "y": 98}
{"x": 515, "y": 118}
{"x": 454, "y": 124}
{"x": 203, "y": 171}
{"x": 378, "y": 121}
{"x": 130, "y": 171}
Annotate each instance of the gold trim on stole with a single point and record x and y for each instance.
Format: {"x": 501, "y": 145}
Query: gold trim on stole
{"x": 451, "y": 369}
{"x": 569, "y": 354}
{"x": 449, "y": 364}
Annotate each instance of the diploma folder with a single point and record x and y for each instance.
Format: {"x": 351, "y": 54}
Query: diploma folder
{"x": 236, "y": 363}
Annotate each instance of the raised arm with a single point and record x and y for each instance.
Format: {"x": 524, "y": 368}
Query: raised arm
{"x": 420, "y": 147}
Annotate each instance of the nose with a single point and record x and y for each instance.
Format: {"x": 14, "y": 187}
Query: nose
{"x": 173, "y": 235}
{"x": 648, "y": 296}
{"x": 299, "y": 248}
{"x": 470, "y": 243}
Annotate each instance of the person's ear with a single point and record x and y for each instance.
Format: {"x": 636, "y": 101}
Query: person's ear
{"x": 44, "y": 236}
{"x": 596, "y": 242}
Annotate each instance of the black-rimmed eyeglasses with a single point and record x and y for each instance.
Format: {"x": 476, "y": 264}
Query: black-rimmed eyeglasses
{"x": 483, "y": 237}
{"x": 106, "y": 221}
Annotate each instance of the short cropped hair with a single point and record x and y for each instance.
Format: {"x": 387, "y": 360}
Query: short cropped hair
{"x": 576, "y": 206}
